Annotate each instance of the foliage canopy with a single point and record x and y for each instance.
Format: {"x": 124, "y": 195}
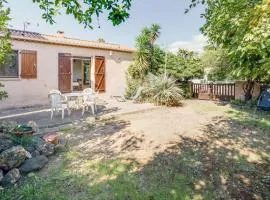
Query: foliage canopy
{"x": 84, "y": 11}
{"x": 216, "y": 65}
{"x": 242, "y": 29}
{"x": 5, "y": 45}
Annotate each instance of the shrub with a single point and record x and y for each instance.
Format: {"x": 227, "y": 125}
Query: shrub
{"x": 133, "y": 81}
{"x": 186, "y": 89}
{"x": 238, "y": 102}
{"x": 162, "y": 90}
{"x": 3, "y": 94}
{"x": 250, "y": 103}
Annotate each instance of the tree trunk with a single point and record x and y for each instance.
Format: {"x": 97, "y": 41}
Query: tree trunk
{"x": 248, "y": 89}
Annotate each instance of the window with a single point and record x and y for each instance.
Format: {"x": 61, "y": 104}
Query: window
{"x": 10, "y": 68}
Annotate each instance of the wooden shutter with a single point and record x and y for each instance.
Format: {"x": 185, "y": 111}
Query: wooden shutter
{"x": 29, "y": 64}
{"x": 64, "y": 72}
{"x": 100, "y": 74}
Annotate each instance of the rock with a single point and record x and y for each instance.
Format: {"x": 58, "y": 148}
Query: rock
{"x": 31, "y": 174}
{"x": 43, "y": 147}
{"x": 5, "y": 144}
{"x": 48, "y": 150}
{"x": 34, "y": 164}
{"x": 30, "y": 148}
{"x": 11, "y": 177}
{"x": 28, "y": 154}
{"x": 62, "y": 145}
{"x": 60, "y": 148}
{"x": 52, "y": 138}
{"x": 35, "y": 153}
{"x": 12, "y": 157}
{"x": 33, "y": 125}
{"x": 1, "y": 175}
{"x": 5, "y": 136}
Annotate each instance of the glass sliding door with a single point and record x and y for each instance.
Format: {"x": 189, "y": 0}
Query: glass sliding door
{"x": 86, "y": 72}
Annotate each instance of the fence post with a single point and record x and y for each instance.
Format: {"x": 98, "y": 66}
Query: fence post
{"x": 211, "y": 91}
{"x": 191, "y": 89}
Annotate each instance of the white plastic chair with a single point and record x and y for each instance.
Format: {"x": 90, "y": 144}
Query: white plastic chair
{"x": 88, "y": 90}
{"x": 89, "y": 100}
{"x": 58, "y": 102}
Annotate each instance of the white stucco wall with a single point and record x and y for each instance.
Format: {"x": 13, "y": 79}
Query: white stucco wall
{"x": 23, "y": 92}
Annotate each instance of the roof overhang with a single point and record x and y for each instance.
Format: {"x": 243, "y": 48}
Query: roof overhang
{"x": 71, "y": 44}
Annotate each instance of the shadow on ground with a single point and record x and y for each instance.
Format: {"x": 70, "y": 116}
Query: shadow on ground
{"x": 229, "y": 160}
{"x": 43, "y": 119}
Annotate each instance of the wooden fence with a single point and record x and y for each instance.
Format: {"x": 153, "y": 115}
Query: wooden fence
{"x": 213, "y": 91}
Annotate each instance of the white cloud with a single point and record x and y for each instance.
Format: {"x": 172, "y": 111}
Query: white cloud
{"x": 196, "y": 44}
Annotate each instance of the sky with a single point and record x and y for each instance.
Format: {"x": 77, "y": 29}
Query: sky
{"x": 178, "y": 30}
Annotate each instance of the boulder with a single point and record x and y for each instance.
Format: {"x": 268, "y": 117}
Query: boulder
{"x": 28, "y": 155}
{"x": 5, "y": 144}
{"x": 34, "y": 164}
{"x": 35, "y": 153}
{"x": 62, "y": 145}
{"x": 43, "y": 147}
{"x": 34, "y": 125}
{"x": 52, "y": 138}
{"x": 30, "y": 148}
{"x": 11, "y": 177}
{"x": 12, "y": 157}
{"x": 5, "y": 136}
{"x": 1, "y": 175}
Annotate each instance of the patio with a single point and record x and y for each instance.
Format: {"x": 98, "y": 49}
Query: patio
{"x": 40, "y": 114}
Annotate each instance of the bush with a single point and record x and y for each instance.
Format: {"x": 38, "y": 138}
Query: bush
{"x": 132, "y": 85}
{"x": 3, "y": 94}
{"x": 238, "y": 102}
{"x": 162, "y": 90}
{"x": 186, "y": 89}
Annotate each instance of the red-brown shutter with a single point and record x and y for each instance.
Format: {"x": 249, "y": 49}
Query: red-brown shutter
{"x": 100, "y": 74}
{"x": 64, "y": 72}
{"x": 29, "y": 64}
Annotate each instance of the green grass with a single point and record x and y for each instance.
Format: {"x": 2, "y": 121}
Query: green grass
{"x": 104, "y": 179}
{"x": 66, "y": 130}
{"x": 249, "y": 117}
{"x": 167, "y": 177}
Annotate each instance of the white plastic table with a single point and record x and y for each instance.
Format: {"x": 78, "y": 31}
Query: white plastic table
{"x": 77, "y": 103}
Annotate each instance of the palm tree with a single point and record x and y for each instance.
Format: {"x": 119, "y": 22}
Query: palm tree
{"x": 154, "y": 33}
{"x": 145, "y": 44}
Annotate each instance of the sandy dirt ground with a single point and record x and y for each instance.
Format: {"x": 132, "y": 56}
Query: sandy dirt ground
{"x": 142, "y": 135}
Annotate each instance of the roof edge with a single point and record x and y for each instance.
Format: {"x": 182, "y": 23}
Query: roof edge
{"x": 68, "y": 44}
{"x": 116, "y": 47}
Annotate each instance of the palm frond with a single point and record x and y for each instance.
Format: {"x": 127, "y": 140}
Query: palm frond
{"x": 163, "y": 90}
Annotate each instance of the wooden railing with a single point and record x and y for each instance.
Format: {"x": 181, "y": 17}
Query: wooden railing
{"x": 213, "y": 91}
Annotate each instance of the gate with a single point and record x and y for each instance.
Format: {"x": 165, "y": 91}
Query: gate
{"x": 213, "y": 91}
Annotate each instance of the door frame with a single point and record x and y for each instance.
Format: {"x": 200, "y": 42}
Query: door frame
{"x": 81, "y": 58}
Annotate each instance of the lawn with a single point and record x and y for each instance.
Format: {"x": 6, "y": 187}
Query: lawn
{"x": 225, "y": 156}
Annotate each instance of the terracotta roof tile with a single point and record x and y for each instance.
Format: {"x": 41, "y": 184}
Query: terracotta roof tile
{"x": 62, "y": 40}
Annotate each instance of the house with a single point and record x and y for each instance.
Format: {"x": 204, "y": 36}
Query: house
{"x": 41, "y": 62}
